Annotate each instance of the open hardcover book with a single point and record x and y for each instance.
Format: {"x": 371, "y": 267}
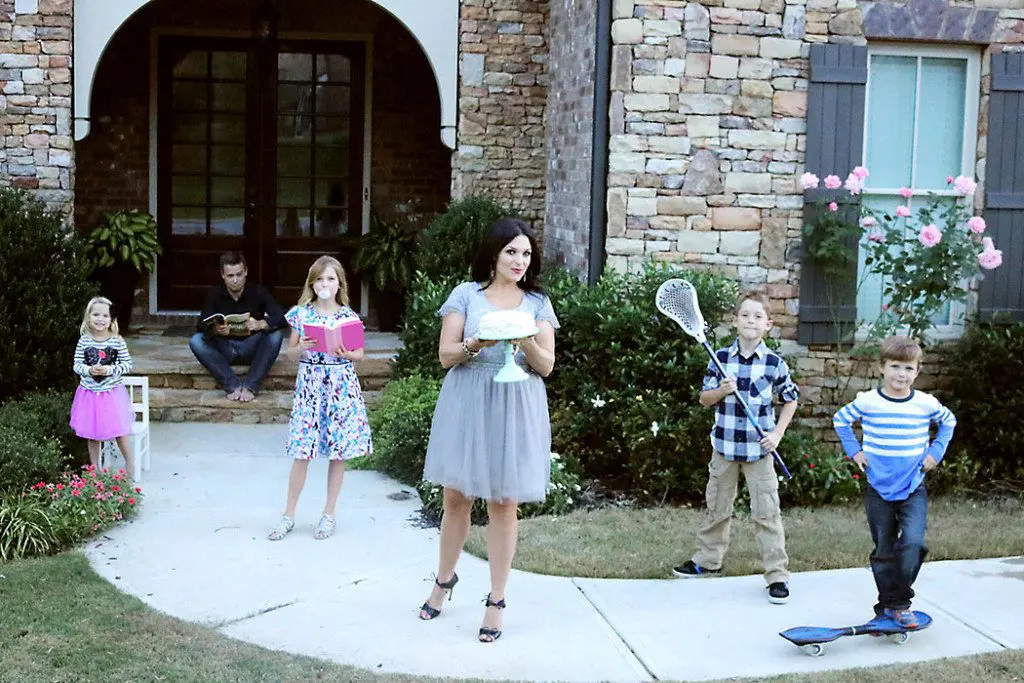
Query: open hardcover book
{"x": 348, "y": 333}
{"x": 236, "y": 323}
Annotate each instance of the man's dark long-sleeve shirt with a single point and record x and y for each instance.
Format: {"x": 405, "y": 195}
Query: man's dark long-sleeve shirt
{"x": 255, "y": 300}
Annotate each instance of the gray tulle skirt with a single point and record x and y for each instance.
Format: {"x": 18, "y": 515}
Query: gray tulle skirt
{"x": 490, "y": 440}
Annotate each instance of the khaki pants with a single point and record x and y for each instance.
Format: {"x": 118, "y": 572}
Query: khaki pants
{"x": 763, "y": 484}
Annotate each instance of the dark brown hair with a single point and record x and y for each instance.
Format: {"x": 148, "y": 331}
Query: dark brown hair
{"x": 231, "y": 258}
{"x": 497, "y": 238}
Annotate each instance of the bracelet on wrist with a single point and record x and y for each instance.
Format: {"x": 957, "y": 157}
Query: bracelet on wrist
{"x": 469, "y": 352}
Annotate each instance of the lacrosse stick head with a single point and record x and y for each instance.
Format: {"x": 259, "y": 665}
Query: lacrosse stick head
{"x": 677, "y": 299}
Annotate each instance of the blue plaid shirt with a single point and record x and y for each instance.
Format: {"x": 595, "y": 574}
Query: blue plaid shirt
{"x": 759, "y": 379}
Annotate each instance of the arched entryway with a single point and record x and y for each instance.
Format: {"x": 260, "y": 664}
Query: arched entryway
{"x": 273, "y": 128}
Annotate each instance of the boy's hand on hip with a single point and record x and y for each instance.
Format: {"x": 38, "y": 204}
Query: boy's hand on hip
{"x": 928, "y": 464}
{"x": 862, "y": 461}
{"x": 771, "y": 440}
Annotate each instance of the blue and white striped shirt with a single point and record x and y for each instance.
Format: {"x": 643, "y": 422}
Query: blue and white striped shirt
{"x": 896, "y": 437}
{"x": 112, "y": 352}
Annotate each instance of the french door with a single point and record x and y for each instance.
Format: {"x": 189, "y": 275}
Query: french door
{"x": 260, "y": 150}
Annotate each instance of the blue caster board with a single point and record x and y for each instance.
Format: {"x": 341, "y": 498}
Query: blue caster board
{"x": 812, "y": 639}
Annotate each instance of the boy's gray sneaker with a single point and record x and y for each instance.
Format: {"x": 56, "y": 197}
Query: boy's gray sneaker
{"x": 689, "y": 570}
{"x": 778, "y": 593}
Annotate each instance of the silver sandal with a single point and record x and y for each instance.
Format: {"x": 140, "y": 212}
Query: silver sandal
{"x": 325, "y": 527}
{"x": 284, "y": 525}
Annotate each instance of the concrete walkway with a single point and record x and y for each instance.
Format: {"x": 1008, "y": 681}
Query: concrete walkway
{"x": 198, "y": 551}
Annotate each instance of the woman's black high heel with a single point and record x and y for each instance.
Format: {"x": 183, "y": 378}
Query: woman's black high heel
{"x": 448, "y": 587}
{"x": 488, "y": 634}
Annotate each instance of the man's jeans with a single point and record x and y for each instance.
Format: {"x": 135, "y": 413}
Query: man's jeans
{"x": 217, "y": 354}
{"x": 897, "y": 529}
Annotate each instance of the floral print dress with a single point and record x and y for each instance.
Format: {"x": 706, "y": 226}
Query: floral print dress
{"x": 328, "y": 413}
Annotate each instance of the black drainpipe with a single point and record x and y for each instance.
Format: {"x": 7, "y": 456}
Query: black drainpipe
{"x": 599, "y": 157}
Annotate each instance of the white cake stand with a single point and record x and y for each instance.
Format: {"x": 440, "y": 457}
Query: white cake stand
{"x": 510, "y": 371}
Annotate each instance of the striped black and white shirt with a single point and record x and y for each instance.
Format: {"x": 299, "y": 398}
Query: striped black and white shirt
{"x": 112, "y": 352}
{"x": 759, "y": 378}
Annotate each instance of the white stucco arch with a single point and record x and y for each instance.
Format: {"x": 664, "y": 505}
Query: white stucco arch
{"x": 434, "y": 24}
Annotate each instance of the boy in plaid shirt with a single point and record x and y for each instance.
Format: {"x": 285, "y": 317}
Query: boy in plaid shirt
{"x": 760, "y": 375}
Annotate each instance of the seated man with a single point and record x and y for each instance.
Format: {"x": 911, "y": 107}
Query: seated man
{"x": 256, "y": 340}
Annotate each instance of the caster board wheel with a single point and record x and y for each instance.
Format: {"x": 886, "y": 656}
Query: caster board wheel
{"x": 812, "y": 639}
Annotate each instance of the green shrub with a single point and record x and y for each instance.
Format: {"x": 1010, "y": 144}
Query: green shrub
{"x": 626, "y": 381}
{"x": 421, "y": 330}
{"x": 401, "y": 427}
{"x": 822, "y": 475}
{"x": 451, "y": 240}
{"x": 49, "y": 413}
{"x": 986, "y": 393}
{"x": 80, "y": 504}
{"x": 25, "y": 528}
{"x": 27, "y": 456}
{"x": 44, "y": 271}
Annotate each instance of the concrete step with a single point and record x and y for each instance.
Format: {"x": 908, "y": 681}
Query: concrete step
{"x": 194, "y": 405}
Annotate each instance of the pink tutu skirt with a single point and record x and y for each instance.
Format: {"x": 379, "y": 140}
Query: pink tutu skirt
{"x": 102, "y": 415}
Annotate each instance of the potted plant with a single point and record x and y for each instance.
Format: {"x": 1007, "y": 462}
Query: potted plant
{"x": 123, "y": 247}
{"x": 386, "y": 254}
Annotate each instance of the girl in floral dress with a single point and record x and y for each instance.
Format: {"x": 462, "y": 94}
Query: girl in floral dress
{"x": 328, "y": 413}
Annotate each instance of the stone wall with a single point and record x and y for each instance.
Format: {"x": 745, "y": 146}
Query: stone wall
{"x": 709, "y": 103}
{"x": 503, "y": 80}
{"x": 35, "y": 99}
{"x": 570, "y": 130}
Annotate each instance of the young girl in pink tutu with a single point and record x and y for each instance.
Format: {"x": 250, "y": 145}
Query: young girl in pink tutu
{"x": 102, "y": 409}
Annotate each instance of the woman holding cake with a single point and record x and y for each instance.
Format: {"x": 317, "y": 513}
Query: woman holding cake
{"x": 489, "y": 439}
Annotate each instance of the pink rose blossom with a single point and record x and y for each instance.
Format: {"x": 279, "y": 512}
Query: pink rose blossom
{"x": 990, "y": 258}
{"x": 876, "y": 236}
{"x": 902, "y": 211}
{"x": 808, "y": 181}
{"x": 885, "y": 307}
{"x": 964, "y": 185}
{"x": 976, "y": 224}
{"x": 832, "y": 206}
{"x": 868, "y": 222}
{"x": 949, "y": 180}
{"x": 930, "y": 235}
{"x": 906, "y": 192}
{"x": 861, "y": 172}
{"x": 833, "y": 182}
{"x": 853, "y": 184}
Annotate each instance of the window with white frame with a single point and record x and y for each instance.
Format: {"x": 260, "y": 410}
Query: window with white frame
{"x": 920, "y": 126}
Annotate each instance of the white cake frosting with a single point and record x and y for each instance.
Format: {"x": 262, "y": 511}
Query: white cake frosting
{"x": 506, "y": 325}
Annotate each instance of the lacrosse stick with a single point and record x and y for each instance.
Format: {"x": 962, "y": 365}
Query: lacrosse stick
{"x": 677, "y": 299}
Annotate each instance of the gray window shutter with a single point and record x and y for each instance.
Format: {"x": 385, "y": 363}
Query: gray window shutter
{"x": 835, "y": 136}
{"x": 1002, "y": 291}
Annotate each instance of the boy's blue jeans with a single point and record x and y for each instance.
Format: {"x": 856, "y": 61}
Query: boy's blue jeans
{"x": 897, "y": 529}
{"x": 218, "y": 353}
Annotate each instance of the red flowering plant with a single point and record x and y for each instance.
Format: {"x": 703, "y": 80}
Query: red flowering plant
{"x": 83, "y": 503}
{"x": 822, "y": 475}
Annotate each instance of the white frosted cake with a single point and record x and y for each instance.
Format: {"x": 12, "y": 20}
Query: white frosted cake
{"x": 506, "y": 325}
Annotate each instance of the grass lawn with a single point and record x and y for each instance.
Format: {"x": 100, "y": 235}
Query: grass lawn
{"x": 62, "y": 622}
{"x": 626, "y": 543}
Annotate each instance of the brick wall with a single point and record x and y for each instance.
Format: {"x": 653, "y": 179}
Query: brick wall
{"x": 502, "y": 97}
{"x": 570, "y": 129}
{"x": 35, "y": 99}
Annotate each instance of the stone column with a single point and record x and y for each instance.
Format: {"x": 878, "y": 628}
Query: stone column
{"x": 35, "y": 98}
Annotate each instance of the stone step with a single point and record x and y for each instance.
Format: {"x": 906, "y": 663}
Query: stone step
{"x": 194, "y": 405}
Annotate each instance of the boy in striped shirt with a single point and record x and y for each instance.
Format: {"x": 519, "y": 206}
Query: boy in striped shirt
{"x": 896, "y": 453}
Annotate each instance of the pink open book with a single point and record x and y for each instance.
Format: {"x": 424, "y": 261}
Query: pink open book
{"x": 348, "y": 333}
